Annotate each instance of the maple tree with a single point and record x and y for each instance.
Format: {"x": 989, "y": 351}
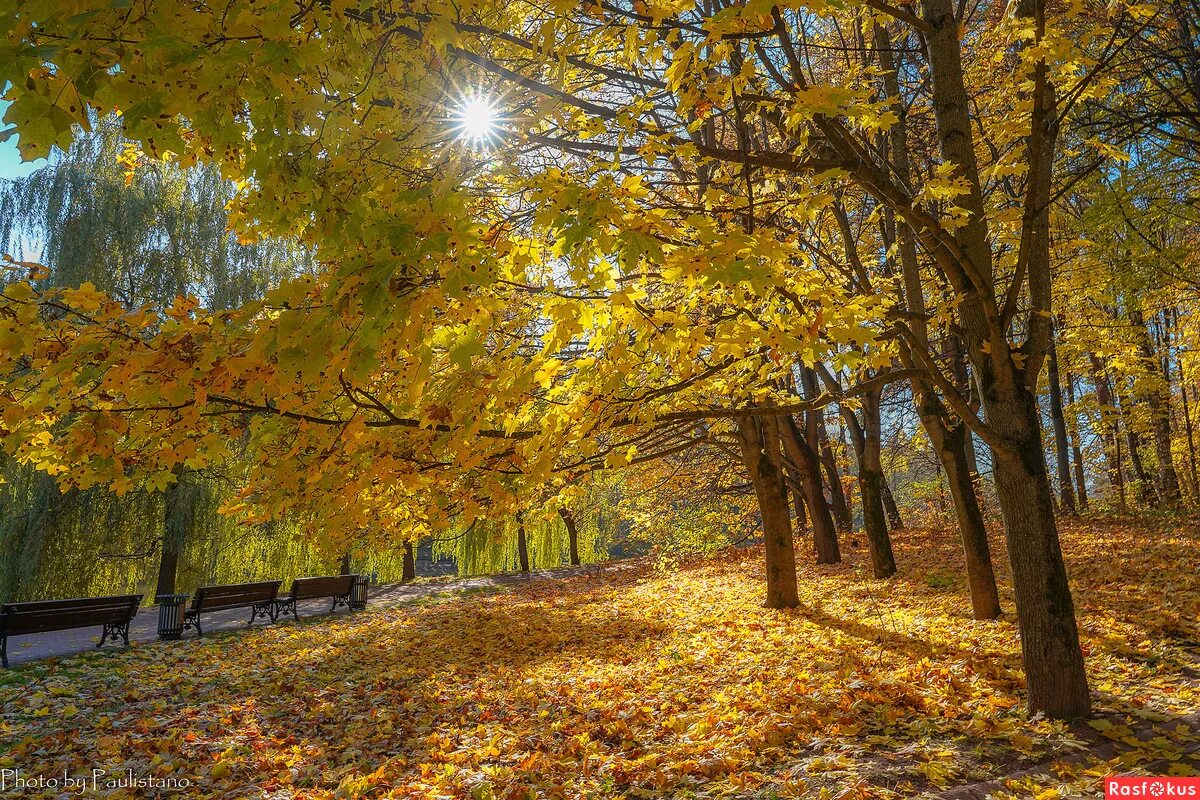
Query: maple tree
{"x": 698, "y": 225}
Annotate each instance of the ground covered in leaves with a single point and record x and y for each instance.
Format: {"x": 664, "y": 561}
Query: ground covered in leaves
{"x": 638, "y": 682}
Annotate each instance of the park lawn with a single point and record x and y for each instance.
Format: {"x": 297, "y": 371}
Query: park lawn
{"x": 639, "y": 682}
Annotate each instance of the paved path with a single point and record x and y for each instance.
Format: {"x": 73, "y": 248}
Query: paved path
{"x": 35, "y": 647}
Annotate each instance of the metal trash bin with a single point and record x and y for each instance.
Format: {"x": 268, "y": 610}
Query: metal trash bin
{"x": 170, "y": 615}
{"x": 358, "y": 593}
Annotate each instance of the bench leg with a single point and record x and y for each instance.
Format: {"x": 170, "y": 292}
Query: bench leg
{"x": 281, "y": 607}
{"x": 263, "y": 610}
{"x": 4, "y": 651}
{"x": 284, "y": 607}
{"x": 113, "y": 630}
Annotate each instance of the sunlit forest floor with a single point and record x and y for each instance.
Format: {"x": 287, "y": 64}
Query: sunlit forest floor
{"x": 639, "y": 682}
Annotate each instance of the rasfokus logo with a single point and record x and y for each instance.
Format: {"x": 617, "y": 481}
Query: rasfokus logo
{"x": 1151, "y": 786}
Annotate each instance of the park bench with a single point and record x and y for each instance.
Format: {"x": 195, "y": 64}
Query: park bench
{"x": 335, "y": 587}
{"x": 258, "y": 597}
{"x": 40, "y": 616}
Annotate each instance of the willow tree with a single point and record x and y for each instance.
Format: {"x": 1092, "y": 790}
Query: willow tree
{"x": 143, "y": 231}
{"x": 100, "y": 213}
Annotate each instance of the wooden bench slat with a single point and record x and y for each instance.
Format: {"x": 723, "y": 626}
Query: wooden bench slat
{"x": 57, "y": 621}
{"x": 210, "y": 602}
{"x": 222, "y": 590}
{"x": 336, "y": 587}
{"x": 259, "y": 597}
{"x": 324, "y": 586}
{"x": 115, "y": 601}
{"x": 40, "y": 616}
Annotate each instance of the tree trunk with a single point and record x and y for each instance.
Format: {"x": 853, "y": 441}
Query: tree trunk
{"x": 797, "y": 493}
{"x": 1146, "y": 490}
{"x": 1045, "y": 612}
{"x": 409, "y": 570}
{"x": 870, "y": 485}
{"x": 981, "y": 578}
{"x": 178, "y": 501}
{"x": 895, "y": 521}
{"x": 1147, "y": 495}
{"x": 1187, "y": 427}
{"x": 1108, "y": 432}
{"x": 1120, "y": 470}
{"x": 522, "y": 544}
{"x": 1066, "y": 493}
{"x": 345, "y": 563}
{"x": 951, "y": 440}
{"x": 1074, "y": 434}
{"x": 759, "y": 439}
{"x": 572, "y": 534}
{"x": 837, "y": 493}
{"x": 1159, "y": 400}
{"x": 866, "y": 436}
{"x": 808, "y": 465}
{"x": 818, "y": 439}
{"x": 168, "y": 564}
{"x": 973, "y": 463}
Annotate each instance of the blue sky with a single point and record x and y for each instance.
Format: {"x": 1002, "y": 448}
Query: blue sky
{"x": 11, "y": 165}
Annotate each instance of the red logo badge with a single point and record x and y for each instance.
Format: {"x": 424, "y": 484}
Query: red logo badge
{"x": 1152, "y": 787}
